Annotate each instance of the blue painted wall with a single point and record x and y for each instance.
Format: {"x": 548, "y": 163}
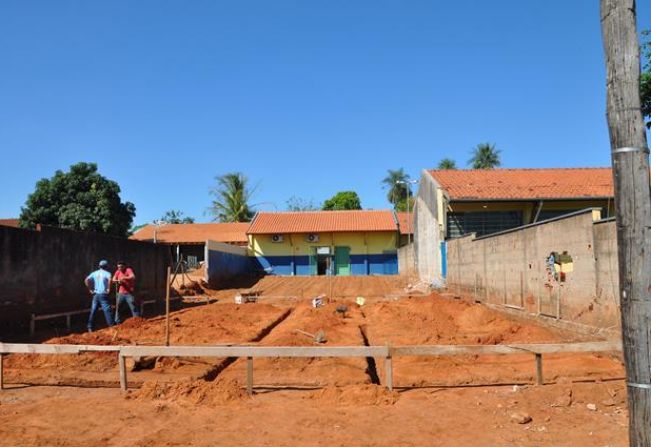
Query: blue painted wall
{"x": 223, "y": 265}
{"x": 380, "y": 264}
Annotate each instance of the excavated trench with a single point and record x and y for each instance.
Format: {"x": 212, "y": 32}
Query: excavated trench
{"x": 217, "y": 369}
{"x": 371, "y": 366}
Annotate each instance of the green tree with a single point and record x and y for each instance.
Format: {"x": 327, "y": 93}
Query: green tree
{"x": 81, "y": 199}
{"x": 232, "y": 195}
{"x": 485, "y": 156}
{"x": 343, "y": 200}
{"x": 447, "y": 163}
{"x": 397, "y": 183}
{"x": 176, "y": 217}
{"x": 645, "y": 78}
{"x": 298, "y": 204}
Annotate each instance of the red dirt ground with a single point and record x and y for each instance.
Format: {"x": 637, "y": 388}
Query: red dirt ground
{"x": 349, "y": 410}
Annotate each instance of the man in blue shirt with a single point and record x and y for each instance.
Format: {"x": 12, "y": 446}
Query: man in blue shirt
{"x": 99, "y": 286}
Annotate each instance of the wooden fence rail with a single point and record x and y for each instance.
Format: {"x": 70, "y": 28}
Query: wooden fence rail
{"x": 250, "y": 352}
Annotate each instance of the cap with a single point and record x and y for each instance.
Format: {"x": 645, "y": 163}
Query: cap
{"x": 103, "y": 263}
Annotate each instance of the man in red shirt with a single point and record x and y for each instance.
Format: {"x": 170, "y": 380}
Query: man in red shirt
{"x": 126, "y": 280}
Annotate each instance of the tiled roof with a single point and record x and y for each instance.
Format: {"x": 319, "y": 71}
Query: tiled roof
{"x": 234, "y": 233}
{"x": 323, "y": 222}
{"x": 405, "y": 221}
{"x": 10, "y": 222}
{"x": 513, "y": 184}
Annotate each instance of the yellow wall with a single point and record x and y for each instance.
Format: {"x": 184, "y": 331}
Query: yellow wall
{"x": 359, "y": 243}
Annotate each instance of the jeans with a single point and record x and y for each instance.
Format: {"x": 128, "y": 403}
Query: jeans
{"x": 100, "y": 299}
{"x": 130, "y": 301}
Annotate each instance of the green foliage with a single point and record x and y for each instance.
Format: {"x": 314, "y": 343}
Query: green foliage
{"x": 398, "y": 187}
{"x": 343, "y": 200}
{"x": 645, "y": 78}
{"x": 232, "y": 195}
{"x": 176, "y": 217}
{"x": 485, "y": 156}
{"x": 447, "y": 163}
{"x": 80, "y": 199}
{"x": 298, "y": 204}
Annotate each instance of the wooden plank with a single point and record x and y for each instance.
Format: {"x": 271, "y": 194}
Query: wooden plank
{"x": 167, "y": 307}
{"x": 122, "y": 366}
{"x": 29, "y": 348}
{"x": 249, "y": 376}
{"x": 60, "y": 314}
{"x": 539, "y": 369}
{"x": 255, "y": 351}
{"x": 2, "y": 381}
{"x": 544, "y": 348}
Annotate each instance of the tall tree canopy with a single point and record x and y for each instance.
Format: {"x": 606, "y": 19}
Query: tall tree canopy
{"x": 232, "y": 195}
{"x": 343, "y": 200}
{"x": 81, "y": 199}
{"x": 298, "y": 204}
{"x": 447, "y": 163}
{"x": 645, "y": 78}
{"x": 176, "y": 217}
{"x": 485, "y": 156}
{"x": 396, "y": 182}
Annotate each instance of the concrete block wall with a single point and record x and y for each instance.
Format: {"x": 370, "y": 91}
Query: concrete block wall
{"x": 427, "y": 232}
{"x": 406, "y": 265}
{"x": 511, "y": 269}
{"x": 43, "y": 271}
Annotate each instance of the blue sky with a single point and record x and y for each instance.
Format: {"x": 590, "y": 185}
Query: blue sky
{"x": 305, "y": 97}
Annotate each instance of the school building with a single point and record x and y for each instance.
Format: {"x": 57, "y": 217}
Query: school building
{"x": 452, "y": 203}
{"x": 360, "y": 242}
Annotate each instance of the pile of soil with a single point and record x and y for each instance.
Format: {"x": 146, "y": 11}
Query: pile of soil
{"x": 197, "y": 392}
{"x": 355, "y": 395}
{"x": 190, "y": 288}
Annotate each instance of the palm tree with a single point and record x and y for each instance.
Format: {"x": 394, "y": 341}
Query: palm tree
{"x": 485, "y": 156}
{"x": 232, "y": 194}
{"x": 447, "y": 163}
{"x": 396, "y": 182}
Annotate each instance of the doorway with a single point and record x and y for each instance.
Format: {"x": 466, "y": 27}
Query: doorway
{"x": 321, "y": 261}
{"x": 342, "y": 261}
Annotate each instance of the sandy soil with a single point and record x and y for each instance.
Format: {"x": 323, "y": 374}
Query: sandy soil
{"x": 348, "y": 416}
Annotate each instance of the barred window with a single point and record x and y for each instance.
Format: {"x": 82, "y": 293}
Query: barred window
{"x": 482, "y": 222}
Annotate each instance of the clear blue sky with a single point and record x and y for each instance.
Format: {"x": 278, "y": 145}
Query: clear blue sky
{"x": 305, "y": 97}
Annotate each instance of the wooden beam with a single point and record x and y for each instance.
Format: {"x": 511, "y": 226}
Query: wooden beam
{"x": 34, "y": 348}
{"x": 167, "y": 307}
{"x": 388, "y": 372}
{"x": 254, "y": 351}
{"x": 249, "y": 376}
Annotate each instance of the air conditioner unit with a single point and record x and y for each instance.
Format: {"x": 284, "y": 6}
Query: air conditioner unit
{"x": 312, "y": 238}
{"x": 277, "y": 238}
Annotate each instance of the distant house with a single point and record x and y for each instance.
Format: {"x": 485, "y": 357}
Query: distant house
{"x": 188, "y": 240}
{"x": 452, "y": 203}
{"x": 406, "y": 227}
{"x": 325, "y": 242}
{"x": 10, "y": 222}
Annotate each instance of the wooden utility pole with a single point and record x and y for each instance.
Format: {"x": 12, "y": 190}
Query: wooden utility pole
{"x": 167, "y": 306}
{"x": 630, "y": 160}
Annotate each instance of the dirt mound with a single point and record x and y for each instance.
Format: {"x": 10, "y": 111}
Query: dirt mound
{"x": 190, "y": 289}
{"x": 133, "y": 323}
{"x": 356, "y": 395}
{"x": 197, "y": 392}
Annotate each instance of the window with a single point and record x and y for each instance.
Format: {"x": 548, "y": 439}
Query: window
{"x": 482, "y": 222}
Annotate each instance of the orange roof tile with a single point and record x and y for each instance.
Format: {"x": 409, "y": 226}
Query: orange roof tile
{"x": 234, "y": 233}
{"x": 323, "y": 222}
{"x": 10, "y": 222}
{"x": 518, "y": 184}
{"x": 405, "y": 221}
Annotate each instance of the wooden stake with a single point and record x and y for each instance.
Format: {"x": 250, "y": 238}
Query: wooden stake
{"x": 2, "y": 361}
{"x": 167, "y": 307}
{"x": 539, "y": 369}
{"x": 122, "y": 366}
{"x": 630, "y": 160}
{"x": 249, "y": 376}
{"x": 388, "y": 369}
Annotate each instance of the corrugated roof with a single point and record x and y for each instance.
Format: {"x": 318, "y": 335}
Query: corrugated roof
{"x": 405, "y": 221}
{"x": 513, "y": 184}
{"x": 234, "y": 233}
{"x": 323, "y": 222}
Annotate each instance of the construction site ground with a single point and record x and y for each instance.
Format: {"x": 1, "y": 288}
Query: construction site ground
{"x": 460, "y": 400}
